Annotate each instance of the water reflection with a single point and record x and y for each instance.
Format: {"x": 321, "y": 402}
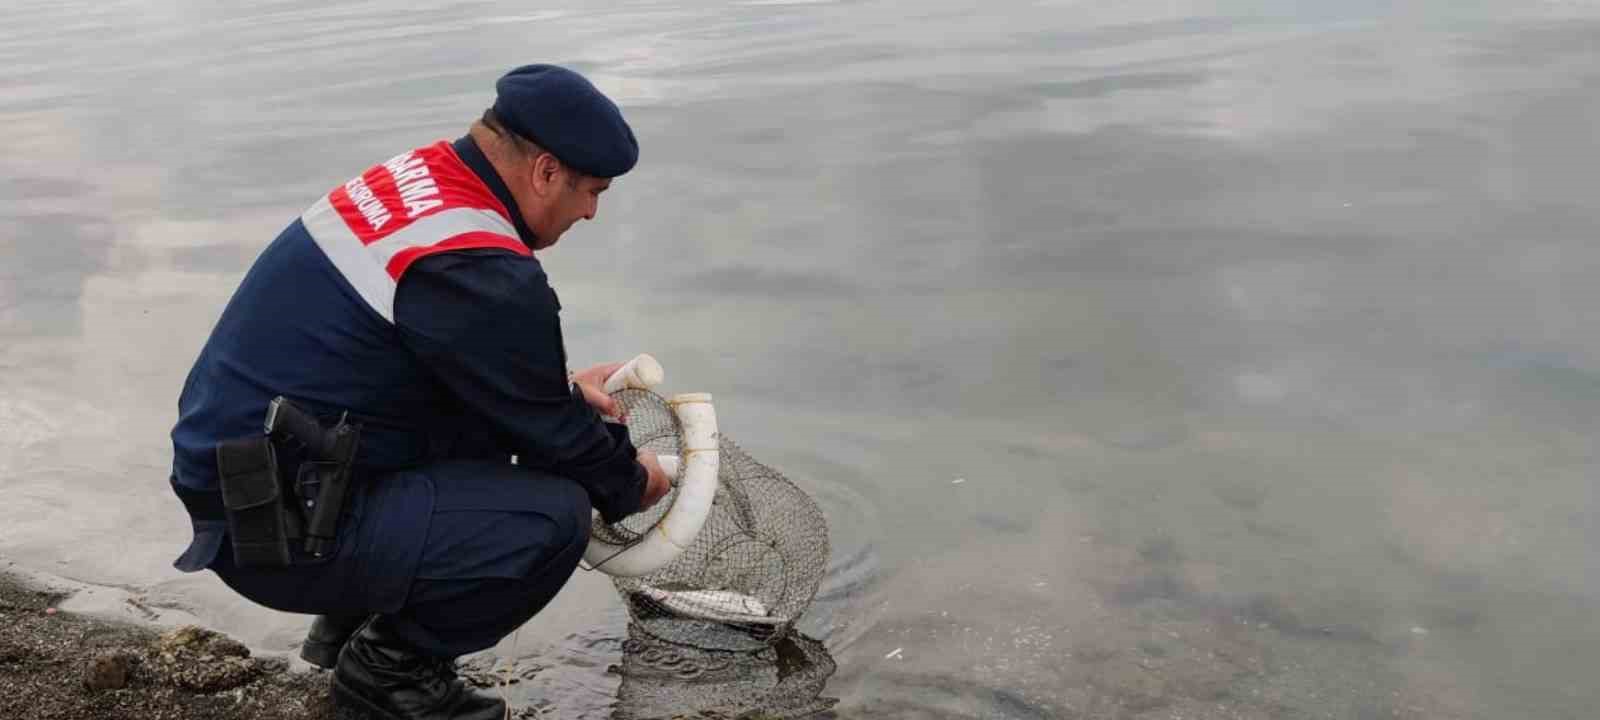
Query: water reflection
{"x": 49, "y": 258}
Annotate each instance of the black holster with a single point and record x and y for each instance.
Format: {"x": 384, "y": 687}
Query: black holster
{"x": 269, "y": 508}
{"x": 260, "y": 522}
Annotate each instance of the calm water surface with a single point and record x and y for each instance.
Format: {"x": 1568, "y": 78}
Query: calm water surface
{"x": 1151, "y": 359}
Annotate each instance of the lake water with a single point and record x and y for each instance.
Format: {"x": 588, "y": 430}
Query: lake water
{"x": 1150, "y": 359}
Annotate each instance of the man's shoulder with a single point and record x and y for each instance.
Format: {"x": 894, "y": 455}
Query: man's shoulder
{"x": 475, "y": 279}
{"x": 489, "y": 268}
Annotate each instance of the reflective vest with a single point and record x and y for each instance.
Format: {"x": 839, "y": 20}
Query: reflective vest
{"x": 418, "y": 203}
{"x": 314, "y": 319}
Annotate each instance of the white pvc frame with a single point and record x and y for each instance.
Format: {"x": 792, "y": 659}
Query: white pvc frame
{"x": 697, "y": 470}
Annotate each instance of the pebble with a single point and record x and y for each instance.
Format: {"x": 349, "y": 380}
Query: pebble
{"x": 50, "y": 611}
{"x": 106, "y": 672}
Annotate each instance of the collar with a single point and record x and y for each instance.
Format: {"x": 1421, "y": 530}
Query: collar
{"x": 473, "y": 156}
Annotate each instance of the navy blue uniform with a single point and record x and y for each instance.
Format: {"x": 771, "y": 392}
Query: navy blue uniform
{"x": 459, "y": 368}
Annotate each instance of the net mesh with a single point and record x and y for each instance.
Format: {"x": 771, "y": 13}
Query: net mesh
{"x": 781, "y": 681}
{"x": 754, "y": 567}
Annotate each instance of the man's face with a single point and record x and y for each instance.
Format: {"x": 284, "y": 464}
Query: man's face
{"x": 575, "y": 197}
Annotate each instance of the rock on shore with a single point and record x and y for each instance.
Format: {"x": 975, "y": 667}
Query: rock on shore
{"x": 60, "y": 666}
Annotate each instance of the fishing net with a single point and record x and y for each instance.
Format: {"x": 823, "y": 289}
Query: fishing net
{"x": 783, "y": 680}
{"x": 753, "y": 568}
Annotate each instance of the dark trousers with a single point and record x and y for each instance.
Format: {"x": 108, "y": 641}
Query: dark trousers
{"x": 457, "y": 555}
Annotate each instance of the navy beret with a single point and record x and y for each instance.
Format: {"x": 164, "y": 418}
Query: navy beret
{"x": 560, "y": 111}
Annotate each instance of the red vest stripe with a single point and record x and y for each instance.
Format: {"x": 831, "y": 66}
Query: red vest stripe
{"x": 416, "y": 204}
{"x": 464, "y": 241}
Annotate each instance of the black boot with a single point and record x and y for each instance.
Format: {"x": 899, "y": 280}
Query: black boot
{"x": 326, "y": 636}
{"x": 383, "y": 674}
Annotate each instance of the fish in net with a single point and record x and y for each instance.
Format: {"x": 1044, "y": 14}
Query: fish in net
{"x": 755, "y": 565}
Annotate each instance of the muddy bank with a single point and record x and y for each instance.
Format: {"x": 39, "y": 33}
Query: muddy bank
{"x": 57, "y": 665}
{"x": 60, "y": 666}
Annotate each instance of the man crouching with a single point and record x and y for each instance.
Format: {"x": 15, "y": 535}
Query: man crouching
{"x": 406, "y": 310}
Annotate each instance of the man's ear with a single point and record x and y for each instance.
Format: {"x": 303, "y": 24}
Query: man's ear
{"x": 546, "y": 172}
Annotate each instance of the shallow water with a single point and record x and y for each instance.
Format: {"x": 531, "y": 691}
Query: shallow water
{"x": 1150, "y": 359}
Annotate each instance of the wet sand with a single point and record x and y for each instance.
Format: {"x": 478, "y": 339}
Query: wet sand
{"x": 57, "y": 665}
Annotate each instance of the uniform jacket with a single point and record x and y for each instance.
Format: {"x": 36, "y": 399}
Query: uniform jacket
{"x": 408, "y": 297}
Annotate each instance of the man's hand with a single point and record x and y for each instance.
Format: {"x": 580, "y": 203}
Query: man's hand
{"x": 592, "y": 382}
{"x": 657, "y": 484}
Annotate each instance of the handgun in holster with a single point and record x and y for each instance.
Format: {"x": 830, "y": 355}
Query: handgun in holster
{"x": 266, "y": 510}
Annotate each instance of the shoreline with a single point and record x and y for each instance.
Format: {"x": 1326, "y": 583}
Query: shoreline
{"x": 71, "y": 650}
{"x": 65, "y": 665}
